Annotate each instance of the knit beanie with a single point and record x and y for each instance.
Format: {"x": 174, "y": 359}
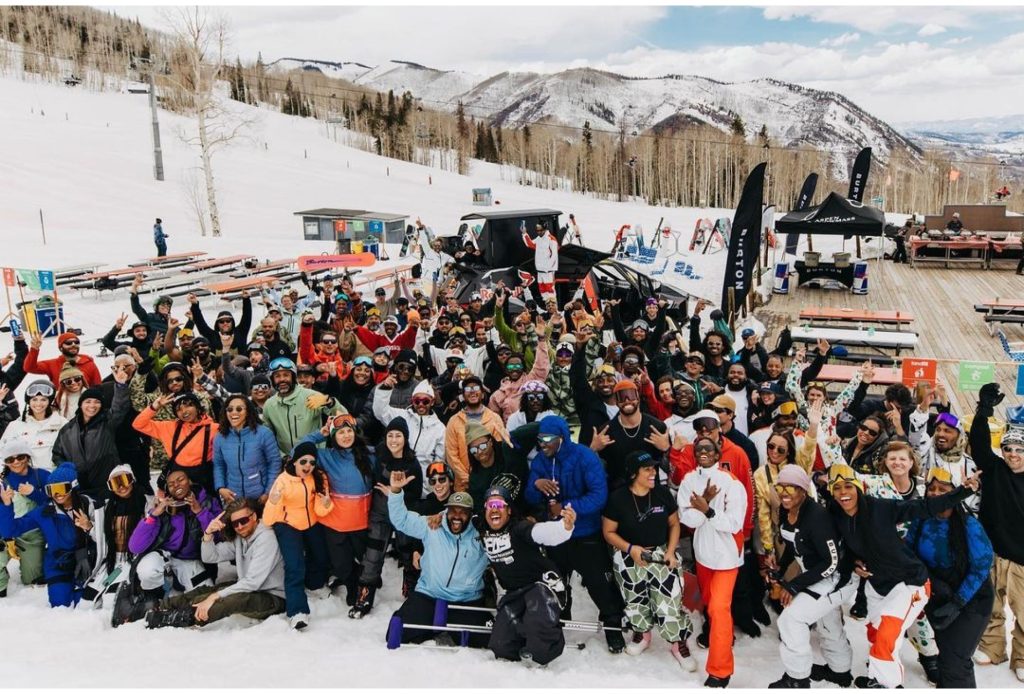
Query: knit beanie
{"x": 406, "y": 356}
{"x": 94, "y": 393}
{"x": 303, "y": 449}
{"x": 64, "y": 337}
{"x": 1014, "y": 436}
{"x": 398, "y": 424}
{"x": 65, "y": 472}
{"x": 69, "y": 371}
{"x": 423, "y": 388}
{"x": 794, "y": 475}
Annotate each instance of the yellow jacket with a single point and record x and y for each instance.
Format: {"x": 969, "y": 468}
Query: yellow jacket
{"x": 293, "y": 500}
{"x": 767, "y": 500}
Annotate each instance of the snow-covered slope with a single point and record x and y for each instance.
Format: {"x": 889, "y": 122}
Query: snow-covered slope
{"x": 793, "y": 115}
{"x": 998, "y": 136}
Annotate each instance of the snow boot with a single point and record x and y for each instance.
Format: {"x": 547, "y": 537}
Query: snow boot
{"x": 860, "y": 606}
{"x": 3, "y": 593}
{"x": 865, "y": 682}
{"x": 930, "y": 663}
{"x": 299, "y": 622}
{"x": 177, "y": 617}
{"x": 703, "y": 638}
{"x": 749, "y": 628}
{"x": 613, "y": 637}
{"x": 982, "y": 658}
{"x": 640, "y": 642}
{"x": 131, "y": 604}
{"x": 364, "y": 602}
{"x": 824, "y": 672}
{"x": 716, "y": 682}
{"x": 681, "y": 652}
{"x": 788, "y": 682}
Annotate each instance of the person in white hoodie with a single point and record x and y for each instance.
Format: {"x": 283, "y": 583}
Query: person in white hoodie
{"x": 714, "y": 503}
{"x": 39, "y": 424}
{"x": 426, "y": 431}
{"x": 545, "y": 247}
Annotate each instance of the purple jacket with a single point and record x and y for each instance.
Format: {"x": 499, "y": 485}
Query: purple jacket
{"x": 180, "y": 533}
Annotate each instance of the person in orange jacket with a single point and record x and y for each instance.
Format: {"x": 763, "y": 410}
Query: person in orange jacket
{"x": 325, "y": 352}
{"x": 188, "y": 438}
{"x": 299, "y": 497}
{"x": 69, "y": 345}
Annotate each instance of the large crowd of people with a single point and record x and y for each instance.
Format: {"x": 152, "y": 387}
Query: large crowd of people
{"x": 493, "y": 448}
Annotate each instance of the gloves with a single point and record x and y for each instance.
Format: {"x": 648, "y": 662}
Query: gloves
{"x": 944, "y": 615}
{"x": 989, "y": 396}
{"x": 317, "y": 401}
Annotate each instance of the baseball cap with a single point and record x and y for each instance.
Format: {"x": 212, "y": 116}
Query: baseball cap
{"x": 460, "y": 500}
{"x": 747, "y": 332}
{"x": 725, "y": 402}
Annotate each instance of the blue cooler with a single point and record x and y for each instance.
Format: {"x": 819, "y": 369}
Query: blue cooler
{"x": 38, "y": 316}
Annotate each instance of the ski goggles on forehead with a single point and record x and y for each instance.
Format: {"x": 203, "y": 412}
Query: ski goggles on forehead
{"x": 363, "y": 361}
{"x": 342, "y": 421}
{"x": 122, "y": 481}
{"x": 631, "y": 361}
{"x": 547, "y": 438}
{"x": 44, "y": 389}
{"x": 948, "y": 419}
{"x": 495, "y": 504}
{"x": 62, "y": 488}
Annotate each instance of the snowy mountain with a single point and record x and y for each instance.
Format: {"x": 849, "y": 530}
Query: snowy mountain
{"x": 998, "y": 136}
{"x": 793, "y": 115}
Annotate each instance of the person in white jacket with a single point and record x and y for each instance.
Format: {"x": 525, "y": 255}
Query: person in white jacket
{"x": 426, "y": 431}
{"x": 545, "y": 247}
{"x": 39, "y": 424}
{"x": 259, "y": 591}
{"x": 714, "y": 503}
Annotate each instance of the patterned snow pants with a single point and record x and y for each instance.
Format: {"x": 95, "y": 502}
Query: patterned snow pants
{"x": 653, "y": 595}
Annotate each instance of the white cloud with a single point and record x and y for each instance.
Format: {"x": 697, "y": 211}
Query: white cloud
{"x": 842, "y": 40}
{"x": 931, "y": 29}
{"x": 879, "y": 18}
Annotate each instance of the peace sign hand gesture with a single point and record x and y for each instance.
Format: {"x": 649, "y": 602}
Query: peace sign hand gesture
{"x": 82, "y": 520}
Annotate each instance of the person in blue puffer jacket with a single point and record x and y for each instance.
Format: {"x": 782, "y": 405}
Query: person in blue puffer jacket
{"x": 452, "y": 566}
{"x": 566, "y": 473}
{"x": 67, "y": 523}
{"x": 246, "y": 459}
{"x": 958, "y": 554}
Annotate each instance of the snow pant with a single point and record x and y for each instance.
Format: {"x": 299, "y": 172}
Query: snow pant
{"x": 527, "y": 620}
{"x": 419, "y": 609}
{"x": 103, "y": 582}
{"x": 63, "y": 593}
{"x": 958, "y": 641}
{"x": 255, "y": 605}
{"x": 161, "y": 250}
{"x": 653, "y": 596}
{"x": 190, "y": 573}
{"x": 546, "y": 283}
{"x": 345, "y": 551}
{"x": 748, "y": 594}
{"x": 377, "y": 536}
{"x": 30, "y": 547}
{"x": 888, "y": 617}
{"x": 305, "y": 564}
{"x": 900, "y": 256}
{"x": 819, "y": 604}
{"x": 1008, "y": 582}
{"x": 920, "y": 633}
{"x": 716, "y": 586}
{"x": 588, "y": 556}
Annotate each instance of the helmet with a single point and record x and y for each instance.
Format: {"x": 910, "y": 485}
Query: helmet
{"x": 283, "y": 364}
{"x": 163, "y": 299}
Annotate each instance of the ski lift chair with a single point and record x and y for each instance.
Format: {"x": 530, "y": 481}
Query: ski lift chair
{"x": 1016, "y": 355}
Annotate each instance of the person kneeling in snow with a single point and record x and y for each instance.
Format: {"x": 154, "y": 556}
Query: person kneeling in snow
{"x": 527, "y": 625}
{"x": 452, "y": 566}
{"x": 259, "y": 591}
{"x": 67, "y": 525}
{"x": 123, "y": 511}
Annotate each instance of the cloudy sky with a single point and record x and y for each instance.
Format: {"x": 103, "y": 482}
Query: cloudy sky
{"x": 900, "y": 63}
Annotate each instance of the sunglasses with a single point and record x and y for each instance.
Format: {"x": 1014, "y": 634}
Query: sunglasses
{"x": 778, "y": 448}
{"x": 454, "y": 363}
{"x": 306, "y": 461}
{"x": 868, "y": 430}
{"x": 472, "y": 389}
{"x": 122, "y": 481}
{"x": 240, "y": 408}
{"x": 437, "y": 479}
{"x": 176, "y": 379}
{"x": 116, "y": 368}
{"x": 70, "y": 342}
{"x": 789, "y": 489}
{"x": 1012, "y": 449}
{"x": 225, "y": 320}
{"x": 631, "y": 361}
{"x": 547, "y": 438}
{"x": 242, "y": 522}
{"x": 422, "y": 401}
{"x": 719, "y": 410}
{"x": 72, "y": 381}
{"x": 21, "y": 457}
{"x": 705, "y": 424}
{"x": 401, "y": 368}
{"x": 328, "y": 342}
{"x": 534, "y": 397}
{"x": 261, "y": 387}
{"x": 63, "y": 488}
{"x": 704, "y": 450}
{"x": 480, "y": 447}
{"x": 495, "y": 504}
{"x": 514, "y": 367}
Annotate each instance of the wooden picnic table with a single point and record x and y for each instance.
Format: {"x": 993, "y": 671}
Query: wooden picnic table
{"x": 839, "y": 373}
{"x": 187, "y": 255}
{"x": 239, "y": 285}
{"x": 1003, "y": 303}
{"x": 855, "y": 315}
{"x": 109, "y": 273}
{"x": 852, "y": 336}
{"x": 984, "y": 246}
{"x": 217, "y": 262}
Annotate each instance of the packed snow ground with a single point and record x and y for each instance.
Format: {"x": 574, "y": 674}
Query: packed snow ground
{"x": 85, "y": 159}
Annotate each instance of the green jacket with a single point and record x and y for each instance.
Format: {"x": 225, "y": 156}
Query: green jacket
{"x": 291, "y": 420}
{"x": 559, "y": 383}
{"x": 511, "y": 338}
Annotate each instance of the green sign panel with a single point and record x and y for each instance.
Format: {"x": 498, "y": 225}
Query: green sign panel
{"x": 975, "y": 374}
{"x": 878, "y": 200}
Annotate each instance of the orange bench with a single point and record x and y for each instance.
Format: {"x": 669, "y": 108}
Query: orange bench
{"x": 856, "y": 315}
{"x": 837, "y": 373}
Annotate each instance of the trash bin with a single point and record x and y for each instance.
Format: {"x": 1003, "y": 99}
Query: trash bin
{"x": 860, "y": 277}
{"x": 781, "y": 285}
{"x": 995, "y": 428}
{"x": 39, "y": 315}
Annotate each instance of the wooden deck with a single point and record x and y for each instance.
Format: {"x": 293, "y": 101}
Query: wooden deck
{"x": 942, "y": 303}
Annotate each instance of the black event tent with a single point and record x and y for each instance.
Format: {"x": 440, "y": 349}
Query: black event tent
{"x": 835, "y": 215}
{"x": 500, "y": 239}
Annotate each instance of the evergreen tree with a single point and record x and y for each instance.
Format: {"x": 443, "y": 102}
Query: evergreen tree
{"x": 737, "y": 127}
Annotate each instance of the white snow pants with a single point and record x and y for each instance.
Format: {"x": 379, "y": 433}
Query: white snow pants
{"x": 827, "y": 611}
{"x": 888, "y": 618}
{"x": 190, "y": 572}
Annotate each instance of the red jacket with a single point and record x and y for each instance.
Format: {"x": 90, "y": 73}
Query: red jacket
{"x": 732, "y": 459}
{"x": 51, "y": 368}
{"x": 403, "y": 340}
{"x": 310, "y": 355}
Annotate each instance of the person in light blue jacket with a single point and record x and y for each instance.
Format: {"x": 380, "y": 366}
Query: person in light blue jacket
{"x": 246, "y": 459}
{"x": 452, "y": 564}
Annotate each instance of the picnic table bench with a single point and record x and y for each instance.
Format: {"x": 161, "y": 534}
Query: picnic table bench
{"x": 217, "y": 263}
{"x": 65, "y": 274}
{"x": 266, "y": 268}
{"x": 855, "y": 337}
{"x": 1001, "y": 311}
{"x": 982, "y": 246}
{"x": 238, "y": 285}
{"x": 855, "y": 315}
{"x": 839, "y": 373}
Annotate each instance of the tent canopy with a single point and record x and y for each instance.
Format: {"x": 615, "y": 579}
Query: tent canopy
{"x": 500, "y": 239}
{"x": 835, "y": 215}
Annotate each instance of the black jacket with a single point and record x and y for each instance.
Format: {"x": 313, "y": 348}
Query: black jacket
{"x": 591, "y": 409}
{"x": 92, "y": 446}
{"x": 1002, "y": 501}
{"x": 871, "y": 535}
{"x": 813, "y": 542}
{"x": 241, "y": 328}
